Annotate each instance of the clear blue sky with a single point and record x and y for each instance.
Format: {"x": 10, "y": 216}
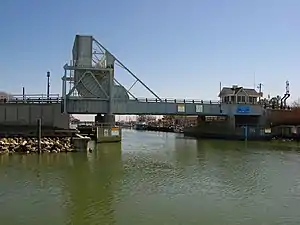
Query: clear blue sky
{"x": 181, "y": 49}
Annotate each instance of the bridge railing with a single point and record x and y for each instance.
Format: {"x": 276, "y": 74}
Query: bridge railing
{"x": 55, "y": 98}
{"x": 212, "y": 102}
{"x": 170, "y": 100}
{"x": 32, "y": 98}
{"x": 91, "y": 123}
{"x": 85, "y": 123}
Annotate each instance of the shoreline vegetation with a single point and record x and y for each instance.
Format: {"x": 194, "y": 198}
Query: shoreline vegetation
{"x": 30, "y": 145}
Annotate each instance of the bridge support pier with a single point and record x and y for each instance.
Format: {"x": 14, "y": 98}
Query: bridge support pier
{"x": 232, "y": 121}
{"x": 106, "y": 130}
{"x": 104, "y": 118}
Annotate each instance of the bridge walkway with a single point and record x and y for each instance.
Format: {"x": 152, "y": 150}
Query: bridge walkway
{"x": 164, "y": 107}
{"x": 139, "y": 106}
{"x": 144, "y": 106}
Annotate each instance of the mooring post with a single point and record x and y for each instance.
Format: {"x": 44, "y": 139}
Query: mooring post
{"x": 39, "y": 136}
{"x": 246, "y": 132}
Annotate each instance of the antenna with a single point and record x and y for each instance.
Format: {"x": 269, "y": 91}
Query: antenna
{"x": 287, "y": 87}
{"x": 220, "y": 91}
{"x": 259, "y": 86}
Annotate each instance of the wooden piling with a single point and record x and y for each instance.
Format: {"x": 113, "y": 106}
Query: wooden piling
{"x": 39, "y": 134}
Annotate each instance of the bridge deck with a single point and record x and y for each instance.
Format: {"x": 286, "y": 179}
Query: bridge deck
{"x": 155, "y": 107}
{"x": 32, "y": 98}
{"x": 76, "y": 105}
{"x": 145, "y": 106}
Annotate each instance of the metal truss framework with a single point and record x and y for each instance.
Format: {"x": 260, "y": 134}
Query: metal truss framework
{"x": 98, "y": 54}
{"x": 101, "y": 50}
{"x": 103, "y": 64}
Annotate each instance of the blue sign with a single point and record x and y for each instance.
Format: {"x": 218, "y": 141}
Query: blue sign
{"x": 243, "y": 109}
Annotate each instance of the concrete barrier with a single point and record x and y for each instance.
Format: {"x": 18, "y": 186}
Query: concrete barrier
{"x": 26, "y": 114}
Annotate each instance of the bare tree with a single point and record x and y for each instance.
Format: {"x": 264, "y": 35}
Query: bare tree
{"x": 145, "y": 118}
{"x": 296, "y": 104}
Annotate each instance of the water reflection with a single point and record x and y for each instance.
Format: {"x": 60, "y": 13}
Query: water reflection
{"x": 32, "y": 188}
{"x": 92, "y": 184}
{"x": 74, "y": 187}
{"x": 153, "y": 178}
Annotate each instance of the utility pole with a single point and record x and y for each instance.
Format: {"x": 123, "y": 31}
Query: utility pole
{"x": 48, "y": 85}
{"x": 23, "y": 93}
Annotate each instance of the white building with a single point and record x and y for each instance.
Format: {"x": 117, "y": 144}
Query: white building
{"x": 3, "y": 96}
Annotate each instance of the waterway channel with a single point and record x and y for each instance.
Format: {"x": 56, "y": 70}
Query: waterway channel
{"x": 153, "y": 178}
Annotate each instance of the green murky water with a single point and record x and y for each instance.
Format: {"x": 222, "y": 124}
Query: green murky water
{"x": 153, "y": 178}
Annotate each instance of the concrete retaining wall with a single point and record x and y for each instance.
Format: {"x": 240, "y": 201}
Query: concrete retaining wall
{"x": 26, "y": 114}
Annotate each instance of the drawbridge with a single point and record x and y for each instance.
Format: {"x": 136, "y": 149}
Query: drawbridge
{"x": 90, "y": 86}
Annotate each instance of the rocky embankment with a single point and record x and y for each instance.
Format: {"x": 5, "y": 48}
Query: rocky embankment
{"x": 30, "y": 145}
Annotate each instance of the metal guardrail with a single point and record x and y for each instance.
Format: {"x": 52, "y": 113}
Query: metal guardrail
{"x": 167, "y": 100}
{"x": 92, "y": 124}
{"x": 176, "y": 100}
{"x": 85, "y": 123}
{"x": 147, "y": 100}
{"x": 32, "y": 98}
{"x": 150, "y": 100}
{"x": 211, "y": 102}
{"x": 55, "y": 98}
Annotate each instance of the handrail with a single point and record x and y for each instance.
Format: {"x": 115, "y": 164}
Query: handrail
{"x": 55, "y": 98}
{"x": 44, "y": 96}
{"x": 148, "y": 100}
{"x": 168, "y": 100}
{"x": 32, "y": 98}
{"x": 83, "y": 124}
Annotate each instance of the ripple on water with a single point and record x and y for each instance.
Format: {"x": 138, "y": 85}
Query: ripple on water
{"x": 156, "y": 179}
